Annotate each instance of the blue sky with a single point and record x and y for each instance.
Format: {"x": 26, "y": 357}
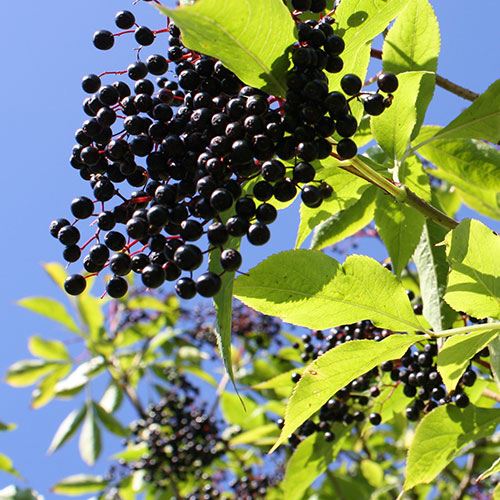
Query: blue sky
{"x": 48, "y": 48}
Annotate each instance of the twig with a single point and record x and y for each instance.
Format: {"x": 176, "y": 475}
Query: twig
{"x": 467, "y": 479}
{"x": 442, "y": 82}
{"x": 220, "y": 389}
{"x": 488, "y": 393}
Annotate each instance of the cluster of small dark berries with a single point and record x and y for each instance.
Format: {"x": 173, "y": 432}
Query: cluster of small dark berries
{"x": 181, "y": 439}
{"x": 252, "y": 486}
{"x": 254, "y": 329}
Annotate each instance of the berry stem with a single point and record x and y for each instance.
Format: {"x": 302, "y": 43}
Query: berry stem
{"x": 485, "y": 327}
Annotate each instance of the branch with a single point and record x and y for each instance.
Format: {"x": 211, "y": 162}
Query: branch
{"x": 488, "y": 393}
{"x": 467, "y": 479}
{"x": 442, "y": 82}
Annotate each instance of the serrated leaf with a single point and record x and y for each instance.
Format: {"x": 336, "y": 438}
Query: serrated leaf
{"x": 413, "y": 42}
{"x": 90, "y": 310}
{"x": 395, "y": 128}
{"x": 52, "y": 309}
{"x": 347, "y": 190}
{"x": 441, "y": 435}
{"x": 346, "y": 222}
{"x": 67, "y": 429}
{"x": 310, "y": 459}
{"x": 79, "y": 484}
{"x": 252, "y": 39}
{"x": 481, "y": 120}
{"x": 359, "y": 23}
{"x": 433, "y": 274}
{"x": 89, "y": 444}
{"x": 109, "y": 421}
{"x": 327, "y": 294}
{"x": 334, "y": 370}
{"x": 399, "y": 225}
{"x": 52, "y": 350}
{"x": 473, "y": 251}
{"x": 454, "y": 357}
{"x": 112, "y": 398}
{"x": 27, "y": 372}
{"x": 6, "y": 465}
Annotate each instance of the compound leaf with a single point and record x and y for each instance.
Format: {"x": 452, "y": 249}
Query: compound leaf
{"x": 50, "y": 308}
{"x": 90, "y": 438}
{"x": 79, "y": 484}
{"x": 67, "y": 429}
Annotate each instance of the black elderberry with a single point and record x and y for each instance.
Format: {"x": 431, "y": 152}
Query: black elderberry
{"x": 374, "y": 104}
{"x": 273, "y": 170}
{"x": 346, "y": 149}
{"x": 387, "y": 82}
{"x": 221, "y": 199}
{"x": 137, "y": 70}
{"x": 301, "y": 5}
{"x": 230, "y": 260}
{"x": 311, "y": 196}
{"x": 185, "y": 288}
{"x": 124, "y": 19}
{"x": 237, "y": 226}
{"x": 57, "y": 225}
{"x": 469, "y": 378}
{"x": 120, "y": 264}
{"x": 263, "y": 191}
{"x": 208, "y": 284}
{"x": 82, "y": 207}
{"x": 71, "y": 253}
{"x": 318, "y": 6}
{"x": 412, "y": 413}
{"x": 103, "y": 39}
{"x": 144, "y": 36}
{"x": 114, "y": 240}
{"x": 139, "y": 262}
{"x": 99, "y": 254}
{"x": 91, "y": 83}
{"x": 217, "y": 233}
{"x": 153, "y": 275}
{"x": 90, "y": 266}
{"x": 137, "y": 228}
{"x": 188, "y": 257}
{"x": 325, "y": 190}
{"x": 462, "y": 400}
{"x": 258, "y": 234}
{"x": 75, "y": 284}
{"x": 104, "y": 189}
{"x": 375, "y": 418}
{"x": 68, "y": 235}
{"x": 117, "y": 287}
{"x": 284, "y": 191}
{"x": 266, "y": 213}
{"x": 351, "y": 84}
{"x": 245, "y": 207}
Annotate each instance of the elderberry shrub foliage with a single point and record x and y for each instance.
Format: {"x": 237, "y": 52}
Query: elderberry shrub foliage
{"x": 195, "y": 146}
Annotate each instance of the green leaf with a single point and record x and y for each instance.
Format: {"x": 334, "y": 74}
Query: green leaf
{"x": 348, "y": 189}
{"x": 223, "y": 302}
{"x": 373, "y": 472}
{"x": 346, "y": 222}
{"x": 433, "y": 274}
{"x": 53, "y": 350}
{"x": 327, "y": 294}
{"x": 90, "y": 438}
{"x": 440, "y": 437}
{"x": 453, "y": 358}
{"x": 27, "y": 372}
{"x": 79, "y": 484}
{"x": 110, "y": 422}
{"x": 91, "y": 313}
{"x": 14, "y": 493}
{"x": 52, "y": 309}
{"x": 494, "y": 349}
{"x": 67, "y": 429}
{"x": 6, "y": 465}
{"x": 56, "y": 272}
{"x": 153, "y": 303}
{"x": 399, "y": 225}
{"x": 413, "y": 42}
{"x": 395, "y": 128}
{"x": 483, "y": 201}
{"x": 7, "y": 427}
{"x": 252, "y": 39}
{"x": 493, "y": 469}
{"x": 283, "y": 380}
{"x": 46, "y": 391}
{"x": 256, "y": 436}
{"x": 481, "y": 120}
{"x": 80, "y": 376}
{"x": 496, "y": 493}
{"x": 473, "y": 251}
{"x": 112, "y": 398}
{"x": 335, "y": 369}
{"x": 250, "y": 417}
{"x": 311, "y": 458}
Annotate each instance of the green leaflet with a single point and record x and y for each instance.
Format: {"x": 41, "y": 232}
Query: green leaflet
{"x": 494, "y": 348}
{"x": 494, "y": 468}
{"x": 14, "y": 493}
{"x": 347, "y": 190}
{"x": 109, "y": 421}
{"x": 90, "y": 438}
{"x": 453, "y": 358}
{"x": 395, "y": 128}
{"x": 483, "y": 201}
{"x": 52, "y": 350}
{"x": 473, "y": 252}
{"x": 311, "y": 458}
{"x": 7, "y": 466}
{"x": 265, "y": 434}
{"x": 28, "y": 371}
{"x": 399, "y": 225}
{"x": 440, "y": 437}
{"x": 45, "y": 391}
{"x": 90, "y": 309}
{"x": 433, "y": 274}
{"x": 251, "y": 38}
{"x": 79, "y": 484}
{"x": 413, "y": 42}
{"x": 335, "y": 369}
{"x": 481, "y": 120}
{"x": 327, "y": 294}
{"x": 346, "y": 222}
{"x": 248, "y": 417}
{"x": 50, "y": 308}
{"x": 67, "y": 429}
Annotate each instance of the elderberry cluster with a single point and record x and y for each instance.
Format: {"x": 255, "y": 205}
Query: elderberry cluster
{"x": 181, "y": 439}
{"x": 190, "y": 143}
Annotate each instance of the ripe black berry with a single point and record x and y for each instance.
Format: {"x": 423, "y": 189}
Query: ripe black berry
{"x": 375, "y": 418}
{"x": 82, "y": 207}
{"x": 120, "y": 264}
{"x": 188, "y": 257}
{"x": 387, "y": 82}
{"x": 124, "y": 19}
{"x": 153, "y": 275}
{"x": 462, "y": 400}
{"x": 311, "y": 196}
{"x": 185, "y": 288}
{"x": 71, "y": 253}
{"x": 103, "y": 39}
{"x": 351, "y": 84}
{"x": 266, "y": 213}
{"x": 258, "y": 234}
{"x": 346, "y": 148}
{"x": 75, "y": 284}
{"x": 114, "y": 240}
{"x": 230, "y": 260}
{"x": 99, "y": 254}
{"x": 57, "y": 225}
{"x": 117, "y": 287}
{"x": 374, "y": 104}
{"x": 208, "y": 284}
{"x": 91, "y": 83}
{"x": 68, "y": 235}
{"x": 144, "y": 36}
